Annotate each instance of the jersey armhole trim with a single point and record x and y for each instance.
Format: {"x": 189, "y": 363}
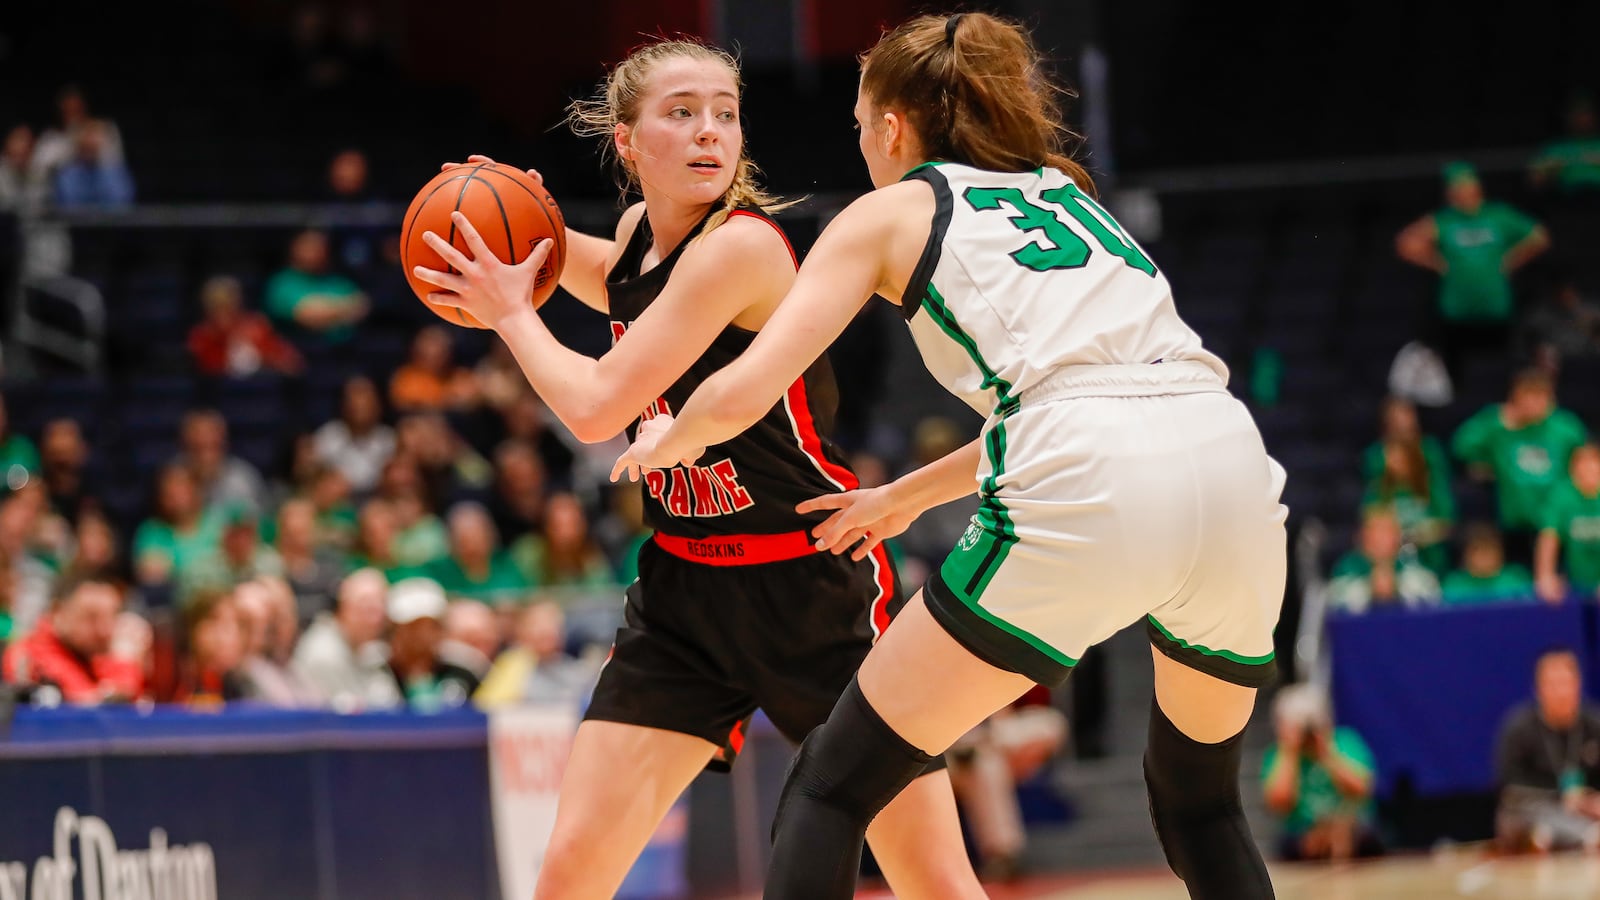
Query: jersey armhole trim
{"x": 911, "y": 300}
{"x": 775, "y": 227}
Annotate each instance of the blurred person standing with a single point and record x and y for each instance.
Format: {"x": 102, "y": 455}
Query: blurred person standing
{"x": 342, "y": 656}
{"x": 1571, "y": 532}
{"x": 1548, "y": 763}
{"x": 87, "y": 651}
{"x": 1523, "y": 445}
{"x": 91, "y": 180}
{"x": 59, "y": 143}
{"x": 1318, "y": 779}
{"x": 1571, "y": 164}
{"x": 1474, "y": 246}
{"x": 26, "y": 191}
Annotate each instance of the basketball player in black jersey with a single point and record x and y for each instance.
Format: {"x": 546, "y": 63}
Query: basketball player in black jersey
{"x": 734, "y": 608}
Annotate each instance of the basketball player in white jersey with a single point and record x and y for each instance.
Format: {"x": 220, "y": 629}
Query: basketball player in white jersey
{"x": 1119, "y": 480}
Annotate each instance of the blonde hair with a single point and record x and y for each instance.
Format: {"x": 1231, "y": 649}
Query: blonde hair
{"x": 973, "y": 88}
{"x": 618, "y": 103}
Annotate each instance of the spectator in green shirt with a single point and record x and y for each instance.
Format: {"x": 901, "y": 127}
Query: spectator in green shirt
{"x": 1380, "y": 571}
{"x": 374, "y": 546}
{"x": 1571, "y": 163}
{"x": 1484, "y": 576}
{"x": 19, "y": 459}
{"x": 1522, "y": 444}
{"x": 1318, "y": 780}
{"x": 180, "y": 534}
{"x": 306, "y": 294}
{"x": 566, "y": 555}
{"x": 476, "y": 568}
{"x": 1572, "y": 529}
{"x": 1409, "y": 472}
{"x": 239, "y": 555}
{"x": 1474, "y": 246}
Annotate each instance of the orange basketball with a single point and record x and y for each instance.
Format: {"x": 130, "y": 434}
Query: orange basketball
{"x": 511, "y": 212}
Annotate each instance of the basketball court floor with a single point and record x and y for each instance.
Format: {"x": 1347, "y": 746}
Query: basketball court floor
{"x": 1461, "y": 873}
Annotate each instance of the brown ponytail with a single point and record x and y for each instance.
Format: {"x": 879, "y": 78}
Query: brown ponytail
{"x": 973, "y": 88}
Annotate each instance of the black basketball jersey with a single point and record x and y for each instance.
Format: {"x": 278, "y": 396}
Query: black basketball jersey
{"x": 750, "y": 483}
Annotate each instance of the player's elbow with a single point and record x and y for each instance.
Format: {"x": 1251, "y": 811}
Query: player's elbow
{"x": 595, "y": 427}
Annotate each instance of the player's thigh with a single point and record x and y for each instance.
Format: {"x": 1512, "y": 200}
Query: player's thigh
{"x": 619, "y": 783}
{"x": 1204, "y": 707}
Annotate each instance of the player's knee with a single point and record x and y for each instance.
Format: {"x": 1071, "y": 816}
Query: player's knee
{"x": 1186, "y": 777}
{"x": 854, "y": 763}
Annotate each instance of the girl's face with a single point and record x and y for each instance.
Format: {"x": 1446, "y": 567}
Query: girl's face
{"x": 687, "y": 141}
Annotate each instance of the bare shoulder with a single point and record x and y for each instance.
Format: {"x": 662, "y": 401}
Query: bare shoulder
{"x": 743, "y": 241}
{"x": 629, "y": 221}
{"x": 891, "y": 210}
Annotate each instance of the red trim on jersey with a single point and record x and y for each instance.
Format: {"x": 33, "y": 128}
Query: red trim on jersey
{"x": 880, "y": 603}
{"x": 736, "y": 737}
{"x": 786, "y": 244}
{"x": 811, "y": 441}
{"x": 738, "y": 549}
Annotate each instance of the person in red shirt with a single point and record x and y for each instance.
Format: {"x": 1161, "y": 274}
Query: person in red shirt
{"x": 234, "y": 341}
{"x": 85, "y": 648}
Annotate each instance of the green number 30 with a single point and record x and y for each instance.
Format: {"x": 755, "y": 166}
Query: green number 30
{"x": 1066, "y": 250}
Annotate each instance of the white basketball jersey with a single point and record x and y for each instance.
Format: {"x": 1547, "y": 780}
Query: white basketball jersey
{"x": 1023, "y": 274}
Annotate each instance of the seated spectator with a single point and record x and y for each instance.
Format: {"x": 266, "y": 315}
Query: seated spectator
{"x": 565, "y": 555}
{"x": 536, "y": 668}
{"x": 95, "y": 545}
{"x": 90, "y": 180}
{"x": 25, "y": 192}
{"x": 58, "y": 145}
{"x": 430, "y": 381}
{"x": 419, "y": 537}
{"x": 1318, "y": 780}
{"x": 86, "y": 651}
{"x": 271, "y": 624}
{"x": 357, "y": 443}
{"x": 305, "y": 294}
{"x": 239, "y": 556}
{"x": 476, "y": 568}
{"x": 211, "y": 673}
{"x": 529, "y": 421}
{"x": 1571, "y": 164}
{"x": 312, "y": 570}
{"x": 63, "y": 456}
{"x": 34, "y": 543}
{"x": 426, "y": 680}
{"x": 986, "y": 765}
{"x": 235, "y": 342}
{"x": 341, "y": 655}
{"x": 517, "y": 503}
{"x": 1378, "y": 572}
{"x": 623, "y": 532}
{"x": 1572, "y": 532}
{"x": 19, "y": 459}
{"x": 180, "y": 533}
{"x": 1474, "y": 246}
{"x": 1565, "y": 327}
{"x": 448, "y": 466}
{"x": 472, "y": 637}
{"x": 1548, "y": 764}
{"x": 336, "y": 515}
{"x": 1484, "y": 576}
{"x": 499, "y": 378}
{"x": 225, "y": 480}
{"x": 376, "y": 529}
{"x": 1521, "y": 444}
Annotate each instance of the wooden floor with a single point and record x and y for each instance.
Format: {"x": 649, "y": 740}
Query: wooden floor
{"x": 1462, "y": 873}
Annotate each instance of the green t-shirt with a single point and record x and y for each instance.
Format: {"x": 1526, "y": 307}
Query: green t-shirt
{"x": 1319, "y": 798}
{"x": 1512, "y": 582}
{"x": 503, "y": 584}
{"x": 528, "y": 553}
{"x": 289, "y": 287}
{"x": 1576, "y": 520}
{"x": 19, "y": 461}
{"x": 6, "y": 625}
{"x": 1575, "y": 162}
{"x": 1527, "y": 462}
{"x": 183, "y": 550}
{"x": 214, "y": 571}
{"x": 628, "y": 565}
{"x": 1474, "y": 287}
{"x": 422, "y": 543}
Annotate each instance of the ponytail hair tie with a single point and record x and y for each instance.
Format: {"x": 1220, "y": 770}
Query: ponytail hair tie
{"x": 950, "y": 26}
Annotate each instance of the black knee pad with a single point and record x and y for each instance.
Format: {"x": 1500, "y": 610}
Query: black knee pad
{"x": 854, "y": 762}
{"x": 1198, "y": 817}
